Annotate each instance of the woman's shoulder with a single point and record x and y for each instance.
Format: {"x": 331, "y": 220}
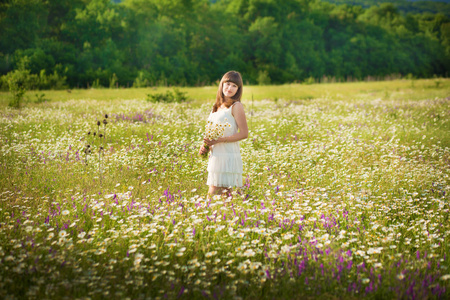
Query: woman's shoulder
{"x": 237, "y": 107}
{"x": 237, "y": 104}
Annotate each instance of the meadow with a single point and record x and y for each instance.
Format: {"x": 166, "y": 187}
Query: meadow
{"x": 346, "y": 195}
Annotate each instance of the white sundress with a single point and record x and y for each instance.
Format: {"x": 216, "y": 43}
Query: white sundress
{"x": 225, "y": 163}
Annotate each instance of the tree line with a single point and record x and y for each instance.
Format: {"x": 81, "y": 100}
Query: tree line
{"x": 405, "y": 6}
{"x": 47, "y": 44}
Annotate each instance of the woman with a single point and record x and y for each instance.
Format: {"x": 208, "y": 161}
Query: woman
{"x": 225, "y": 163}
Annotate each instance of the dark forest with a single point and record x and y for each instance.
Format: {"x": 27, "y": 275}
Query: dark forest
{"x": 83, "y": 43}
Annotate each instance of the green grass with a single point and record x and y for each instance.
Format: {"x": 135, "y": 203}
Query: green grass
{"x": 346, "y": 196}
{"x": 387, "y": 90}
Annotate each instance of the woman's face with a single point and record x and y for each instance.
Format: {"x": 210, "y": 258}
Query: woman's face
{"x": 229, "y": 89}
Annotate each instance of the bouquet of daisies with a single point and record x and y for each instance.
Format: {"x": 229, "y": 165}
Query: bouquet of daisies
{"x": 213, "y": 131}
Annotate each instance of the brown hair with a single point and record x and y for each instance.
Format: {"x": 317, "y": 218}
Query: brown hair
{"x": 231, "y": 76}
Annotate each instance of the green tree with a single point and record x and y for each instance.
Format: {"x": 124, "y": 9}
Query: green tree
{"x": 21, "y": 24}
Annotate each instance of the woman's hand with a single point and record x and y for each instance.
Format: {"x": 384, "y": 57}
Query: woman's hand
{"x": 212, "y": 142}
{"x": 203, "y": 150}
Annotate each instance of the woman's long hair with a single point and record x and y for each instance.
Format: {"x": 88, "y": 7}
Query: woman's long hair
{"x": 236, "y": 78}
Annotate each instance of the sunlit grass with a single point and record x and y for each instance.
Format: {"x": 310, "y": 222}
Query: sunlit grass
{"x": 386, "y": 90}
{"x": 345, "y": 196}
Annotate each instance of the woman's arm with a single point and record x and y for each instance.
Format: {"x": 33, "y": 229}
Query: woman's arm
{"x": 241, "y": 121}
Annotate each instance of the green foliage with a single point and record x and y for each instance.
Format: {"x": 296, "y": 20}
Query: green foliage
{"x": 309, "y": 80}
{"x": 28, "y": 81}
{"x": 96, "y": 84}
{"x": 41, "y": 98}
{"x": 168, "y": 97}
{"x": 51, "y": 81}
{"x": 17, "y": 82}
{"x": 22, "y": 23}
{"x": 145, "y": 43}
{"x": 404, "y": 6}
{"x": 263, "y": 77}
{"x": 141, "y": 80}
{"x": 113, "y": 81}
{"x": 437, "y": 82}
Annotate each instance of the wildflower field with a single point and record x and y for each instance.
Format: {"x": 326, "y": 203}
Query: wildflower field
{"x": 346, "y": 196}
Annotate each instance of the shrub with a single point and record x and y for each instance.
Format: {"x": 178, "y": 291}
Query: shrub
{"x": 263, "y": 78}
{"x": 168, "y": 97}
{"x": 41, "y": 98}
{"x": 309, "y": 80}
{"x": 23, "y": 77}
{"x": 113, "y": 81}
{"x": 51, "y": 81}
{"x": 96, "y": 84}
{"x": 18, "y": 81}
{"x": 141, "y": 81}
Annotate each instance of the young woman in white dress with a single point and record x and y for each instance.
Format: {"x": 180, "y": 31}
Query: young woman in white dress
{"x": 225, "y": 163}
